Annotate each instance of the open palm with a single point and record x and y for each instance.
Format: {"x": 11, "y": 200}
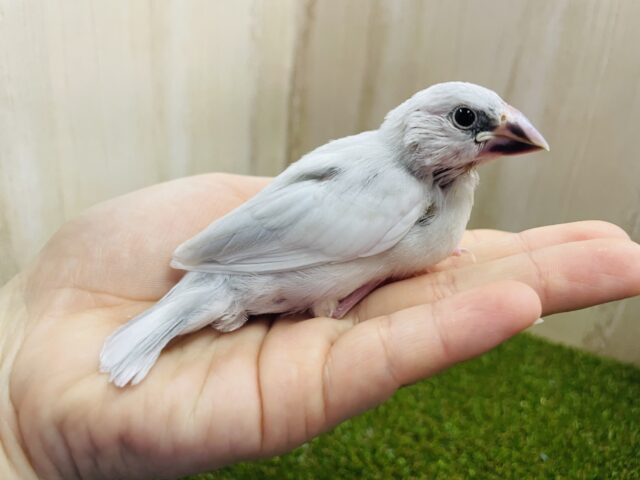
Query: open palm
{"x": 213, "y": 399}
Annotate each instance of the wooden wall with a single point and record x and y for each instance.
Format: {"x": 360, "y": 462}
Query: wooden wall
{"x": 98, "y": 98}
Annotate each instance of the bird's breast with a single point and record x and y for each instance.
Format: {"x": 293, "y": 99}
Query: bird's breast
{"x": 438, "y": 231}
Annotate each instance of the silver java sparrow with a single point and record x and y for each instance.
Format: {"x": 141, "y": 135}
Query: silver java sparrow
{"x": 352, "y": 213}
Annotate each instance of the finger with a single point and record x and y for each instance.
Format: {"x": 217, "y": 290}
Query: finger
{"x": 567, "y": 277}
{"x": 489, "y": 245}
{"x": 369, "y": 362}
{"x": 474, "y": 237}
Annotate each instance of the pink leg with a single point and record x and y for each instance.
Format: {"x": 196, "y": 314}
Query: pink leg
{"x": 354, "y": 298}
{"x": 459, "y": 251}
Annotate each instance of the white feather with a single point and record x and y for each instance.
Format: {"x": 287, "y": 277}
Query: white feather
{"x": 304, "y": 220}
{"x": 358, "y": 209}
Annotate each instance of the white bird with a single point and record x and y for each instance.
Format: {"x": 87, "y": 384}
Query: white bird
{"x": 352, "y": 213}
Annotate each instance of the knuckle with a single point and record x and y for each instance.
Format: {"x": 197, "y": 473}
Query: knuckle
{"x": 444, "y": 285}
{"x": 327, "y": 386}
{"x": 441, "y": 333}
{"x": 385, "y": 337}
{"x": 541, "y": 282}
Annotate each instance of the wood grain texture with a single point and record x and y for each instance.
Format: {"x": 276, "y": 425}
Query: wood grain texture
{"x": 100, "y": 98}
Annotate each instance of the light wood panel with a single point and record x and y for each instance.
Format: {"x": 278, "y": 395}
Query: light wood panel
{"x": 99, "y": 98}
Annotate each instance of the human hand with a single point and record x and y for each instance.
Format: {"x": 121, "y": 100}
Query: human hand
{"x": 215, "y": 399}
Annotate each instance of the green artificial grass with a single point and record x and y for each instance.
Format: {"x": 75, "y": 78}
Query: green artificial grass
{"x": 529, "y": 409}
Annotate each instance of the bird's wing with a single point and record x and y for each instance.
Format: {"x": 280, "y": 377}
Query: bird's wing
{"x": 314, "y": 219}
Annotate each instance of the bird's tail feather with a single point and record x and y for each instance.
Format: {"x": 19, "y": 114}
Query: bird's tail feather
{"x": 129, "y": 353}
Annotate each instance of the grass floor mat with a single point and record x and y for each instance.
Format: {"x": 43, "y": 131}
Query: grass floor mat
{"x": 528, "y": 409}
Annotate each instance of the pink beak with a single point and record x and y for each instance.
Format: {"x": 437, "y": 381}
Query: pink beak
{"x": 514, "y": 135}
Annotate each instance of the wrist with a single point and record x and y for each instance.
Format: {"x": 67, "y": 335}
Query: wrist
{"x": 14, "y": 461}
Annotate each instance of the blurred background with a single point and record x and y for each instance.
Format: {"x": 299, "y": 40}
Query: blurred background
{"x": 100, "y": 98}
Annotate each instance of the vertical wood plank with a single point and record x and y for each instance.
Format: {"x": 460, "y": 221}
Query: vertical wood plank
{"x": 100, "y": 98}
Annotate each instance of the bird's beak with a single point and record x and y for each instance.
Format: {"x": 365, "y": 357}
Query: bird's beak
{"x": 514, "y": 135}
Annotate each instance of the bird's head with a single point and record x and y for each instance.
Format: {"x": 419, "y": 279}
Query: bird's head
{"x": 452, "y": 127}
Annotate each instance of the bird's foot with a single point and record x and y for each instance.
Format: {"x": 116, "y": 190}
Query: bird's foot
{"x": 324, "y": 308}
{"x": 354, "y": 298}
{"x": 459, "y": 251}
{"x": 230, "y": 322}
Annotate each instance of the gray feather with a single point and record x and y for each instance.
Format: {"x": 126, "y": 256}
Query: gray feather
{"x": 293, "y": 225}
{"x": 129, "y": 353}
{"x": 382, "y": 204}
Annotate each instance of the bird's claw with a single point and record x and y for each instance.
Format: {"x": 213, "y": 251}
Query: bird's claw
{"x": 459, "y": 251}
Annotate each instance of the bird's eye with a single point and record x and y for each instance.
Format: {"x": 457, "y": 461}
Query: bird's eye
{"x": 464, "y": 118}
